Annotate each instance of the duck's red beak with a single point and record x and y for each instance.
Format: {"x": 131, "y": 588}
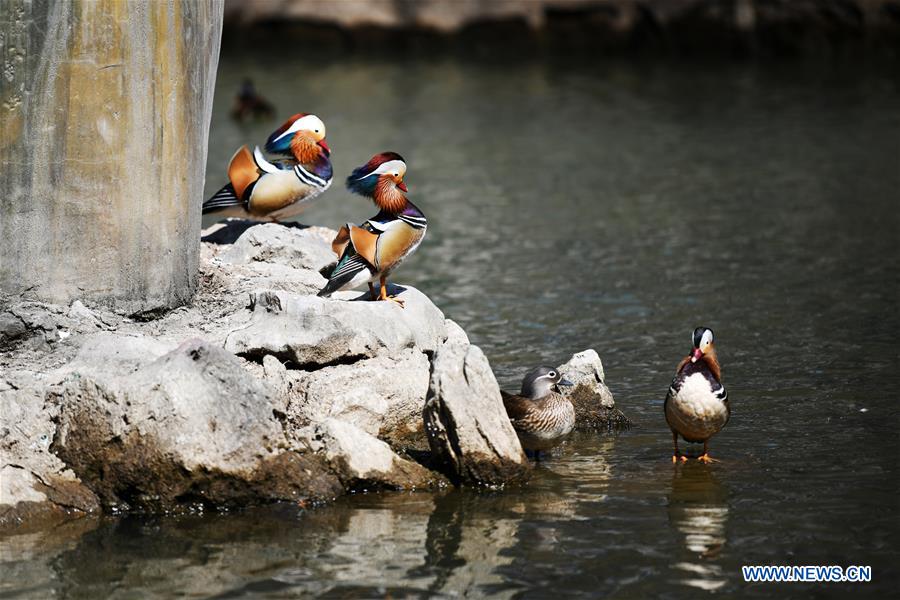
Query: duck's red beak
{"x": 402, "y": 186}
{"x": 696, "y": 355}
{"x": 325, "y": 147}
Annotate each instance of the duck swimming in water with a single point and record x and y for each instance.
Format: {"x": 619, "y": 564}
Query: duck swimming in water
{"x": 696, "y": 406}
{"x": 274, "y": 191}
{"x": 374, "y": 249}
{"x": 540, "y": 414}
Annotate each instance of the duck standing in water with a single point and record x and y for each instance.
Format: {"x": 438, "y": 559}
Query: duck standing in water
{"x": 274, "y": 191}
{"x": 541, "y": 415}
{"x": 377, "y": 247}
{"x": 249, "y": 104}
{"x": 696, "y": 406}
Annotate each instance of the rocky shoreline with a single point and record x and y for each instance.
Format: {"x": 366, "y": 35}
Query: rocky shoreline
{"x": 257, "y": 392}
{"x": 525, "y": 27}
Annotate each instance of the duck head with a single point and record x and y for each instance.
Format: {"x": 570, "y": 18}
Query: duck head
{"x": 381, "y": 179}
{"x": 540, "y": 381}
{"x": 302, "y": 136}
{"x": 703, "y": 344}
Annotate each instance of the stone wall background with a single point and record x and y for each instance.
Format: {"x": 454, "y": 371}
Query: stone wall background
{"x": 754, "y": 26}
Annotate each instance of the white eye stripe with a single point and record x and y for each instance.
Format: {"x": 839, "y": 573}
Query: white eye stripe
{"x": 391, "y": 166}
{"x": 309, "y": 123}
{"x": 707, "y": 338}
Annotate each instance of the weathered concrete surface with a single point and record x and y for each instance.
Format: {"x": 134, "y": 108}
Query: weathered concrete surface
{"x": 467, "y": 426}
{"x": 594, "y": 404}
{"x": 104, "y": 115}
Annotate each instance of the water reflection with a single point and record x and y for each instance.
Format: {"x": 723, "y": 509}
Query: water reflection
{"x": 698, "y": 512}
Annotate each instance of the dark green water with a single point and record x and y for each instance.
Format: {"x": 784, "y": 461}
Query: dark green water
{"x": 613, "y": 206}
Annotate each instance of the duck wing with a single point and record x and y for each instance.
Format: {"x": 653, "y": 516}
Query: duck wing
{"x": 517, "y": 407}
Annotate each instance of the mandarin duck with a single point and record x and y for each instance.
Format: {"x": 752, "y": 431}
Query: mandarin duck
{"x": 696, "y": 406}
{"x": 249, "y": 104}
{"x": 374, "y": 249}
{"x": 273, "y": 191}
{"x": 540, "y": 414}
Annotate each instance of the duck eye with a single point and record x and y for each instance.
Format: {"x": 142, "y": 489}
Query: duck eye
{"x": 551, "y": 374}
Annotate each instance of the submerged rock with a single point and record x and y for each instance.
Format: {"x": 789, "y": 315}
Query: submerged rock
{"x": 594, "y": 404}
{"x": 467, "y": 426}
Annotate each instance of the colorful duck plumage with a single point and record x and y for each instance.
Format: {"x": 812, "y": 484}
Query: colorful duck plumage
{"x": 274, "y": 191}
{"x": 541, "y": 416}
{"x": 696, "y": 406}
{"x": 377, "y": 247}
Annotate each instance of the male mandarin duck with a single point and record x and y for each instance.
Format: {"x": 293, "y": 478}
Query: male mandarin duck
{"x": 377, "y": 247}
{"x": 696, "y": 406}
{"x": 273, "y": 191}
{"x": 541, "y": 416}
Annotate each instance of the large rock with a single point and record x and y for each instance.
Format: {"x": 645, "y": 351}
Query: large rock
{"x": 594, "y": 404}
{"x": 362, "y": 461}
{"x": 35, "y": 485}
{"x": 467, "y": 427}
{"x": 313, "y": 331}
{"x": 192, "y": 427}
{"x": 383, "y": 396}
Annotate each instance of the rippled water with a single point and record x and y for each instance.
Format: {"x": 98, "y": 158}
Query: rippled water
{"x": 614, "y": 206}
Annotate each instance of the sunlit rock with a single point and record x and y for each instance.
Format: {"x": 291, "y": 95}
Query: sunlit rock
{"x": 360, "y": 460}
{"x": 594, "y": 404}
{"x": 467, "y": 426}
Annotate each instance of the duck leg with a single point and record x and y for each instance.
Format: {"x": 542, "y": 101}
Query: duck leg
{"x": 705, "y": 457}
{"x": 371, "y": 291}
{"x": 384, "y": 294}
{"x": 676, "y": 454}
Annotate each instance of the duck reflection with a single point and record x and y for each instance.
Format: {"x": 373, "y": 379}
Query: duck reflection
{"x": 698, "y": 512}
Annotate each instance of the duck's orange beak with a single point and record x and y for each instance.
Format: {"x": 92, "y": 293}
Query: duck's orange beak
{"x": 325, "y": 147}
{"x": 402, "y": 186}
{"x": 696, "y": 355}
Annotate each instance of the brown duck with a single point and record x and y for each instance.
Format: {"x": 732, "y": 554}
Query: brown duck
{"x": 541, "y": 415}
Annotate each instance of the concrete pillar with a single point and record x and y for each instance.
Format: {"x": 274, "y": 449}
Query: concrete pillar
{"x": 104, "y": 117}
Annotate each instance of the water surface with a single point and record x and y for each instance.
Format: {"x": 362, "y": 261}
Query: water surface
{"x": 614, "y": 206}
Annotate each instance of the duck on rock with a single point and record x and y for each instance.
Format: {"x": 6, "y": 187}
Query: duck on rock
{"x": 540, "y": 414}
{"x": 274, "y": 191}
{"x": 696, "y": 406}
{"x": 374, "y": 249}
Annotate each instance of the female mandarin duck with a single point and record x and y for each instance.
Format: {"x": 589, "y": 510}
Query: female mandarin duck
{"x": 541, "y": 416}
{"x": 266, "y": 191}
{"x": 372, "y": 251}
{"x": 697, "y": 404}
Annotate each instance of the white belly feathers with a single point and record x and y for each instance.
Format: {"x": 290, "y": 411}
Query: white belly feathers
{"x": 695, "y": 411}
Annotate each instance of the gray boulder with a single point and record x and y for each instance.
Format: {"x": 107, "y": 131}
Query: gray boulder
{"x": 468, "y": 430}
{"x": 594, "y": 404}
{"x": 192, "y": 427}
{"x": 313, "y": 331}
{"x": 383, "y": 396}
{"x": 35, "y": 485}
{"x": 362, "y": 461}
